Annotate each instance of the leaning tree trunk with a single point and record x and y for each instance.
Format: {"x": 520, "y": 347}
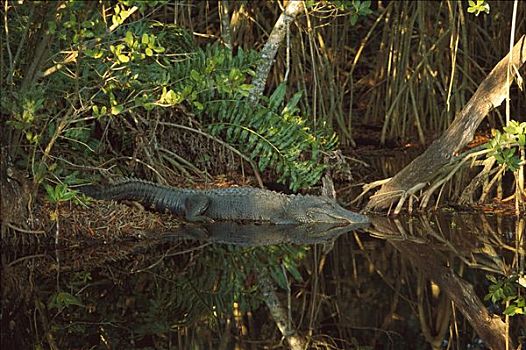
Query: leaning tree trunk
{"x": 268, "y": 52}
{"x": 424, "y": 168}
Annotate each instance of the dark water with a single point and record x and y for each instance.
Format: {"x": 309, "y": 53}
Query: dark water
{"x": 409, "y": 283}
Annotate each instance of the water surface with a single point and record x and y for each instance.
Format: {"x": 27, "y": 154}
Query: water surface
{"x": 405, "y": 283}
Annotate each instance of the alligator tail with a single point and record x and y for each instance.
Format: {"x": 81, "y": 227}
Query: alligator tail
{"x": 147, "y": 193}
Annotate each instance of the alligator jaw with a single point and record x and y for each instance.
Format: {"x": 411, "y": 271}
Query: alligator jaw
{"x": 346, "y": 217}
{"x": 335, "y": 215}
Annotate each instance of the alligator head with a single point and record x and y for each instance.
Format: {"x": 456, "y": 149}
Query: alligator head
{"x": 310, "y": 209}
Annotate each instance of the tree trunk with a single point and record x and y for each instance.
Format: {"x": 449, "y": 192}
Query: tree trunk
{"x": 268, "y": 52}
{"x": 490, "y": 94}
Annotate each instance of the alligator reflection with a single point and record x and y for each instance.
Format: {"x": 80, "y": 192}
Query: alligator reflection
{"x": 253, "y": 235}
{"x": 229, "y": 285}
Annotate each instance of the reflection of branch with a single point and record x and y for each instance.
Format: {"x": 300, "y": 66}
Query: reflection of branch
{"x": 495, "y": 266}
{"x": 279, "y": 314}
{"x": 491, "y": 329}
{"x": 432, "y": 261}
{"x": 39, "y": 305}
{"x": 438, "y": 333}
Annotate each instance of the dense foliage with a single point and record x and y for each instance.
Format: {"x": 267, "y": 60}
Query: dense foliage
{"x": 122, "y": 70}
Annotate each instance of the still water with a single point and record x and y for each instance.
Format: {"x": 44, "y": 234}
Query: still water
{"x": 408, "y": 283}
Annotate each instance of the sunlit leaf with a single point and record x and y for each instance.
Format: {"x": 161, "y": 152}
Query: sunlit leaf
{"x": 128, "y": 39}
{"x": 123, "y": 58}
{"x": 145, "y": 39}
{"x": 115, "y": 110}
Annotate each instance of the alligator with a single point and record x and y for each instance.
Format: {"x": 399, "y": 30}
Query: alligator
{"x": 246, "y": 204}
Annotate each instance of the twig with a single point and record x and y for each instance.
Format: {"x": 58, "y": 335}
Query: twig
{"x": 27, "y": 257}
{"x": 19, "y": 229}
{"x": 224, "y": 144}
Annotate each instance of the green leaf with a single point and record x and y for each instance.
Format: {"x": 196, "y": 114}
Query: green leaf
{"x": 513, "y": 310}
{"x": 198, "y": 105}
{"x": 52, "y": 27}
{"x": 293, "y": 269}
{"x": 50, "y": 193}
{"x": 171, "y": 97}
{"x": 148, "y": 52}
{"x": 478, "y": 7}
{"x": 123, "y": 58}
{"x": 145, "y": 39}
{"x": 276, "y": 99}
{"x": 491, "y": 278}
{"x": 115, "y": 110}
{"x": 278, "y": 276}
{"x": 195, "y": 75}
{"x": 63, "y": 300}
{"x": 291, "y": 105}
{"x": 128, "y": 39}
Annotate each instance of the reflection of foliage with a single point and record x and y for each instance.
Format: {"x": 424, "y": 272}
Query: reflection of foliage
{"x": 225, "y": 275}
{"x": 507, "y": 291}
{"x": 147, "y": 307}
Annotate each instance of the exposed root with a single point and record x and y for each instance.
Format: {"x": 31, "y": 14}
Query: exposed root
{"x": 368, "y": 187}
{"x": 408, "y": 194}
{"x": 484, "y": 182}
{"x": 466, "y": 198}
